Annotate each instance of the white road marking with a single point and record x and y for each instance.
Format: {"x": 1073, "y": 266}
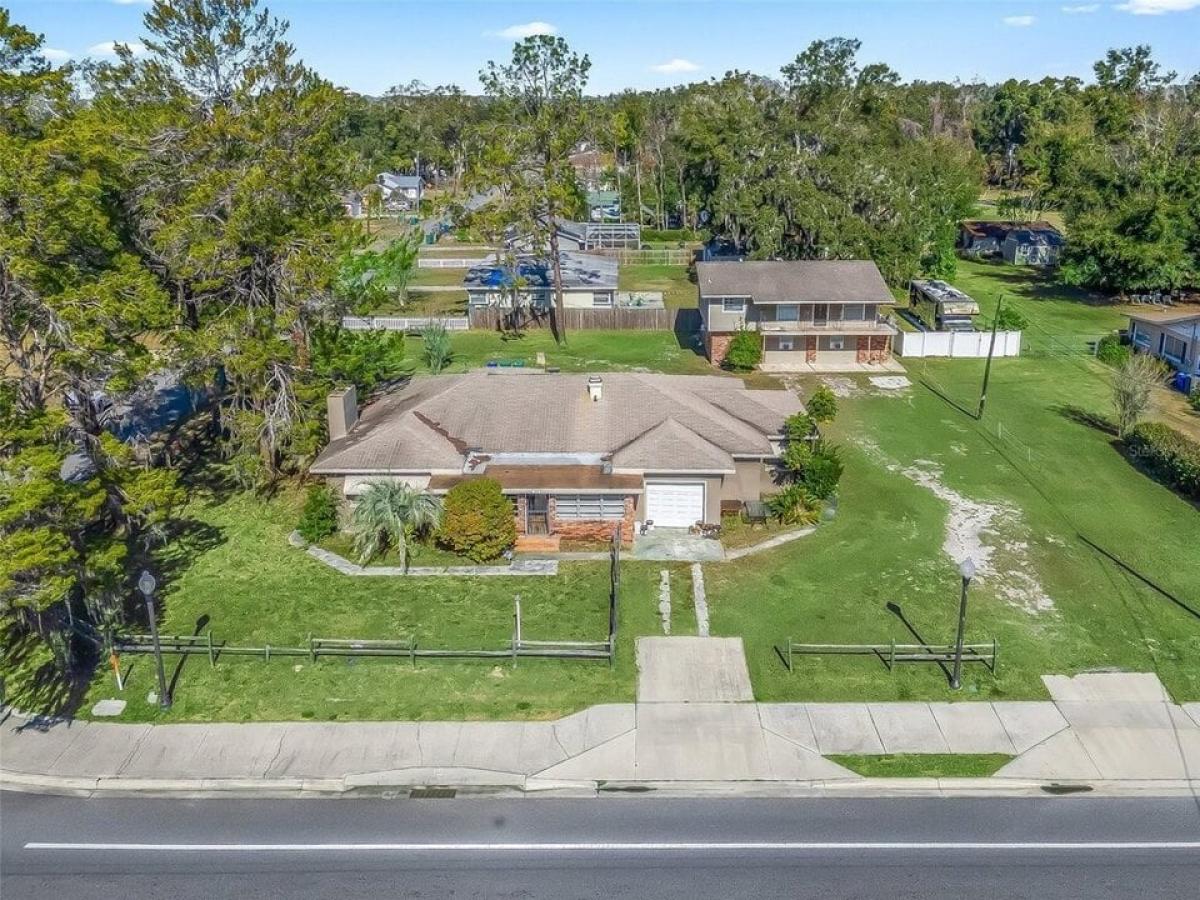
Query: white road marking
{"x": 619, "y": 846}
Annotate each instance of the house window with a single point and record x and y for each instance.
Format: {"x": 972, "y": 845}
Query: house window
{"x": 785, "y": 343}
{"x": 1174, "y": 349}
{"x": 834, "y": 342}
{"x": 853, "y": 312}
{"x": 733, "y": 305}
{"x": 1139, "y": 337}
{"x": 788, "y": 312}
{"x": 589, "y": 506}
{"x": 602, "y": 299}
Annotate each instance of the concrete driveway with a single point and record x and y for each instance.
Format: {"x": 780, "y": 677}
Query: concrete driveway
{"x": 676, "y": 545}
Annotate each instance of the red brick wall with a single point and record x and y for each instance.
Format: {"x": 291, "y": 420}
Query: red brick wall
{"x": 592, "y": 530}
{"x": 810, "y": 348}
{"x": 716, "y": 346}
{"x": 519, "y": 512}
{"x": 873, "y": 348}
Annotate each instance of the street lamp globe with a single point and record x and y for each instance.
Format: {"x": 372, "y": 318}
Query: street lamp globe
{"x": 146, "y": 583}
{"x": 966, "y": 569}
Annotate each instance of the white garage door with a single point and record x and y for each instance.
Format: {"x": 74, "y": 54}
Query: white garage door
{"x": 674, "y": 505}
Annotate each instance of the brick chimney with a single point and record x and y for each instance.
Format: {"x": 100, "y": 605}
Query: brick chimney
{"x": 343, "y": 411}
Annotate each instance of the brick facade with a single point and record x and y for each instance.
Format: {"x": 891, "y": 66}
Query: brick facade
{"x": 592, "y": 530}
{"x": 873, "y": 348}
{"x": 519, "y": 509}
{"x": 716, "y": 346}
{"x": 810, "y": 348}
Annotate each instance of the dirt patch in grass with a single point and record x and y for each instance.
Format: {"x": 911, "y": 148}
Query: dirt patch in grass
{"x": 990, "y": 533}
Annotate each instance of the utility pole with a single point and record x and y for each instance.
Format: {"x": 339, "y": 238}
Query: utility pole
{"x": 146, "y": 585}
{"x": 987, "y": 369}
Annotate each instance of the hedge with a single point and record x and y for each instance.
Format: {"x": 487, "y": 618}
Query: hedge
{"x": 1168, "y": 454}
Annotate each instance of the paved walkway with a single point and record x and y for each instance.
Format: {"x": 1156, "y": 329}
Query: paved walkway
{"x": 516, "y": 568}
{"x": 694, "y": 723}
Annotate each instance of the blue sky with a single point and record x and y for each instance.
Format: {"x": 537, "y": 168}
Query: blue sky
{"x": 369, "y": 45}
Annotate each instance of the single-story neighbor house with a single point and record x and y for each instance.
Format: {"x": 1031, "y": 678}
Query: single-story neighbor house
{"x": 823, "y": 313}
{"x": 1171, "y": 335}
{"x": 589, "y": 282}
{"x": 1019, "y": 243}
{"x": 579, "y": 454}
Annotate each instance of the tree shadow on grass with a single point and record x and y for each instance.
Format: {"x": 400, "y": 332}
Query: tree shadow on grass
{"x": 1086, "y": 417}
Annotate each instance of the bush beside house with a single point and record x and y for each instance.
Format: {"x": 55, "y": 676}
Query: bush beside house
{"x": 745, "y": 351}
{"x": 319, "y": 518}
{"x": 1168, "y": 454}
{"x": 478, "y": 520}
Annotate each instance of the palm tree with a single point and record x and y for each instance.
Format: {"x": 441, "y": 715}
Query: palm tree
{"x": 391, "y": 514}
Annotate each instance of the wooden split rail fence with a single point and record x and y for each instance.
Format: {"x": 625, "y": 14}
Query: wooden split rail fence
{"x": 892, "y": 653}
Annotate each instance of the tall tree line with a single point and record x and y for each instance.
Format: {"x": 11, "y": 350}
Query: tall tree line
{"x": 184, "y": 216}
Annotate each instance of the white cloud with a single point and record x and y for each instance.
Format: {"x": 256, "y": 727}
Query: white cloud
{"x": 1157, "y": 7}
{"x": 53, "y": 54}
{"x": 1082, "y": 9}
{"x": 527, "y": 29}
{"x": 676, "y": 66}
{"x": 1019, "y": 21}
{"x": 109, "y": 48}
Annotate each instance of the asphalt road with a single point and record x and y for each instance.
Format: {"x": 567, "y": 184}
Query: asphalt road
{"x": 614, "y": 847}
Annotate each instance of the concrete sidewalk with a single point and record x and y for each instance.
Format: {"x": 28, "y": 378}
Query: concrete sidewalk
{"x": 694, "y": 727}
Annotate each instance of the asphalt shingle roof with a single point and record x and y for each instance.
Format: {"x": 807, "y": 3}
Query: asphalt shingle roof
{"x": 669, "y": 421}
{"x": 798, "y": 281}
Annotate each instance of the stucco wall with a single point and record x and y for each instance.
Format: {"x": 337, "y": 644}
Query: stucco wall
{"x": 717, "y": 321}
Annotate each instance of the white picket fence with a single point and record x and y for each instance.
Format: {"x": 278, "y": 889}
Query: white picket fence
{"x": 410, "y": 324}
{"x": 961, "y": 344}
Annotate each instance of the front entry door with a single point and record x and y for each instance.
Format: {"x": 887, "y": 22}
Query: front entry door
{"x": 820, "y": 314}
{"x": 537, "y": 514}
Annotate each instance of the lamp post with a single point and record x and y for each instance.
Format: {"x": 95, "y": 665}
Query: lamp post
{"x": 966, "y": 569}
{"x": 146, "y": 585}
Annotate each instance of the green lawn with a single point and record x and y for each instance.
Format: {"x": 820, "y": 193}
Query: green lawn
{"x": 923, "y": 765}
{"x": 1057, "y": 476}
{"x": 585, "y": 351}
{"x": 444, "y": 277}
{"x": 234, "y": 569}
{"x": 677, "y": 288}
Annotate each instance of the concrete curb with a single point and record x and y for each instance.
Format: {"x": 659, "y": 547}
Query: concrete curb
{"x": 476, "y": 782}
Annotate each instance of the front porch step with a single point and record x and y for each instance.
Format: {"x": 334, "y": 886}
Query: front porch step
{"x": 537, "y": 543}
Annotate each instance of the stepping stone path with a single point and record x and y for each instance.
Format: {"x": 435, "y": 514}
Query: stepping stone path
{"x": 700, "y": 600}
{"x": 664, "y": 600}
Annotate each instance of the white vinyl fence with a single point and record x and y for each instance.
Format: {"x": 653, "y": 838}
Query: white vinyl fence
{"x": 402, "y": 323}
{"x": 961, "y": 344}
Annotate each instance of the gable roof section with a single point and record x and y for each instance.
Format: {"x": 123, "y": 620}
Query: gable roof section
{"x": 667, "y": 420}
{"x": 670, "y": 446}
{"x": 797, "y": 281}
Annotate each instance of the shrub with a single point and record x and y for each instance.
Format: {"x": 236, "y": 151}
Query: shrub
{"x": 794, "y": 506}
{"x": 745, "y": 351}
{"x": 319, "y": 518}
{"x": 362, "y": 358}
{"x": 435, "y": 348}
{"x": 823, "y": 471}
{"x": 798, "y": 427}
{"x": 1168, "y": 454}
{"x": 1112, "y": 352}
{"x": 1010, "y": 320}
{"x": 1194, "y": 399}
{"x": 822, "y": 405}
{"x": 478, "y": 520}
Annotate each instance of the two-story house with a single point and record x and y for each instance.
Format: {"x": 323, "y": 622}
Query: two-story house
{"x": 822, "y": 314}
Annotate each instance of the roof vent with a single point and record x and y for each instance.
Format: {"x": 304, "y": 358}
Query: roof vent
{"x": 595, "y": 387}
